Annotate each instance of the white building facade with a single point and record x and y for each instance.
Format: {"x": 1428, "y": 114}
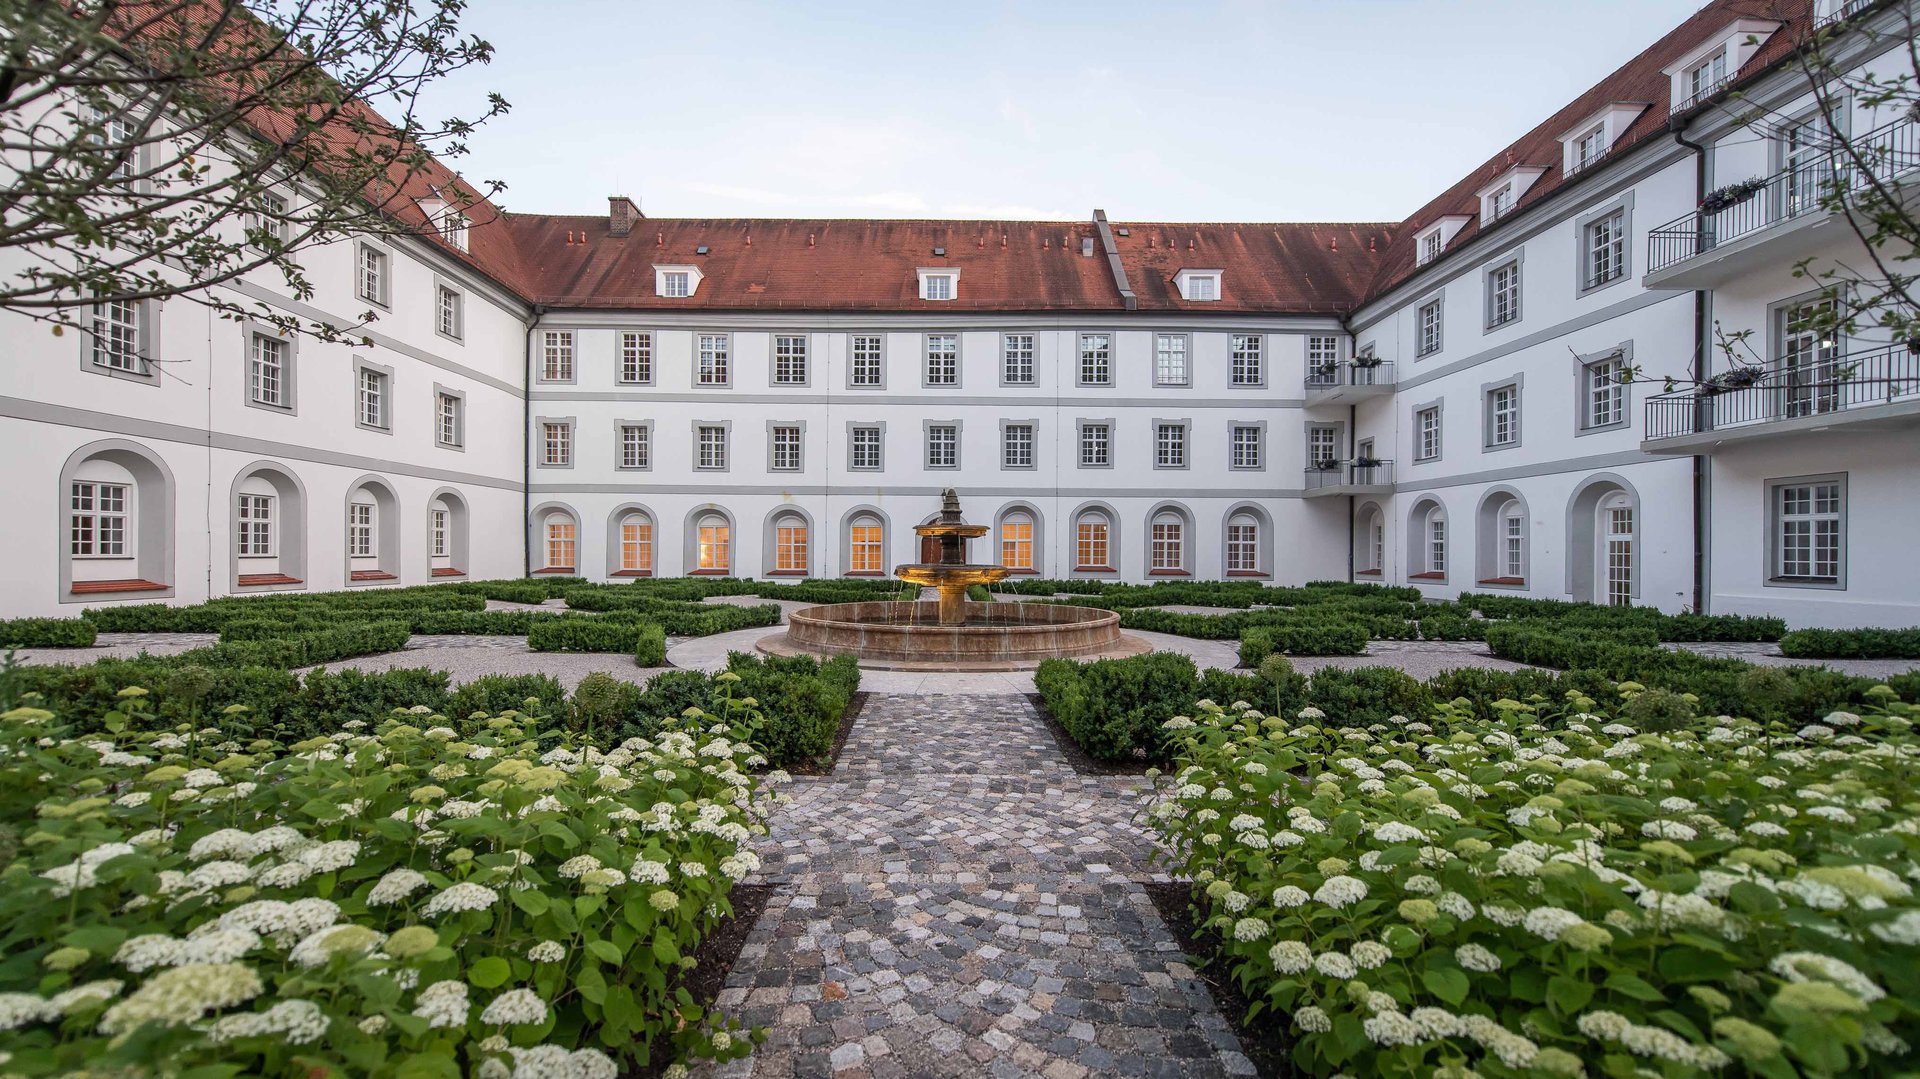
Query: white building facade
{"x": 1437, "y": 402}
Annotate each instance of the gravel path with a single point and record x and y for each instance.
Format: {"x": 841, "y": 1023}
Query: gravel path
{"x": 1768, "y": 655}
{"x": 120, "y": 646}
{"x": 466, "y": 658}
{"x": 955, "y": 900}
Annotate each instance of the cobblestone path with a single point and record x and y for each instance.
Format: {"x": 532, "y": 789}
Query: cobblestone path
{"x": 955, "y": 900}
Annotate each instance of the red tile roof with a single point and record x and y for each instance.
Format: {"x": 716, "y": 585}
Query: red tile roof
{"x": 1287, "y": 268}
{"x": 1640, "y": 79}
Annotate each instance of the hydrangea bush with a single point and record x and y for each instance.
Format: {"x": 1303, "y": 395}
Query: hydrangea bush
{"x": 1556, "y": 893}
{"x": 425, "y": 897}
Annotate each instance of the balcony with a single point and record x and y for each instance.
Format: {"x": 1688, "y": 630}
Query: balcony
{"x": 1345, "y": 383}
{"x": 1349, "y": 478}
{"x": 1863, "y": 390}
{"x": 1787, "y": 217}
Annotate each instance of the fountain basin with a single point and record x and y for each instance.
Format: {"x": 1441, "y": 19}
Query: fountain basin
{"x": 994, "y": 636}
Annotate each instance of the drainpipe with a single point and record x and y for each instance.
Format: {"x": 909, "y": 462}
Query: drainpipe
{"x": 1702, "y": 343}
{"x": 526, "y": 444}
{"x": 1353, "y": 502}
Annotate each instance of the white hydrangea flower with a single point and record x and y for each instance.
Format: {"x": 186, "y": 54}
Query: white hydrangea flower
{"x": 1290, "y": 957}
{"x": 1288, "y": 896}
{"x": 394, "y": 887}
{"x": 1335, "y": 965}
{"x": 1476, "y": 958}
{"x": 1341, "y": 891}
{"x": 515, "y": 1007}
{"x": 547, "y": 951}
{"x": 463, "y": 896}
{"x": 443, "y": 1004}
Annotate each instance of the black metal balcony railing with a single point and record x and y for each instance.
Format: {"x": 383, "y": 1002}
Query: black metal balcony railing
{"x": 1820, "y": 387}
{"x": 1805, "y": 189}
{"x": 1349, "y": 474}
{"x": 1351, "y": 373}
{"x": 1844, "y": 10}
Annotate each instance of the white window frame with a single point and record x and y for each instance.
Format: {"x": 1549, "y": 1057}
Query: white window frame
{"x": 1428, "y": 432}
{"x": 1172, "y": 359}
{"x": 1096, "y": 359}
{"x": 1248, "y": 360}
{"x": 557, "y": 356}
{"x": 866, "y": 447}
{"x": 867, "y": 361}
{"x": 438, "y": 519}
{"x": 449, "y": 418}
{"x": 1096, "y": 444}
{"x": 713, "y": 360}
{"x": 636, "y": 446}
{"x": 950, "y": 438}
{"x": 942, "y": 367}
{"x": 372, "y": 397}
{"x": 710, "y": 447}
{"x": 1017, "y": 352}
{"x": 676, "y": 282}
{"x": 106, "y": 508}
{"x": 786, "y": 447}
{"x": 269, "y": 371}
{"x": 1019, "y": 445}
{"x": 556, "y": 444}
{"x": 254, "y": 521}
{"x": 1247, "y": 447}
{"x": 939, "y": 285}
{"x": 1780, "y": 519}
{"x": 449, "y": 311}
{"x": 791, "y": 363}
{"x": 636, "y": 358}
{"x": 1429, "y": 320}
{"x": 1170, "y": 444}
{"x": 363, "y": 525}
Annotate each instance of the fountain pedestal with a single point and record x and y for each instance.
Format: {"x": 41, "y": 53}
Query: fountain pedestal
{"x": 951, "y": 576}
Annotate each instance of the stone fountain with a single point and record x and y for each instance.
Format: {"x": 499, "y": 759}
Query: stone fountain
{"x": 951, "y": 576}
{"x": 952, "y": 633}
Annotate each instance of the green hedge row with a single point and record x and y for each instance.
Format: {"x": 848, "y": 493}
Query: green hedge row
{"x": 796, "y": 706}
{"x": 1115, "y": 708}
{"x": 1852, "y": 643}
{"x": 586, "y": 635}
{"x": 1302, "y": 639}
{"x": 304, "y": 649}
{"x": 46, "y": 633}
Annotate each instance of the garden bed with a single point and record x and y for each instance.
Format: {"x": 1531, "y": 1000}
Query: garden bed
{"x": 824, "y": 765}
{"x": 713, "y": 961}
{"x": 1077, "y": 757}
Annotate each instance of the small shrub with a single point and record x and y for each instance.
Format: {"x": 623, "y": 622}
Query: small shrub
{"x": 330, "y": 698}
{"x": 602, "y": 705}
{"x": 46, "y": 633}
{"x": 1362, "y": 696}
{"x": 1657, "y": 710}
{"x": 650, "y": 646}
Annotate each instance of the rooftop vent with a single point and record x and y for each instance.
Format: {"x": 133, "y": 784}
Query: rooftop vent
{"x": 701, "y": 250}
{"x": 941, "y": 251}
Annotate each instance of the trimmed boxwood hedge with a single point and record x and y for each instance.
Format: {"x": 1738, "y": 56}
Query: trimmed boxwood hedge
{"x": 650, "y": 646}
{"x": 46, "y": 633}
{"x": 579, "y": 634}
{"x": 1852, "y": 644}
{"x": 1302, "y": 639}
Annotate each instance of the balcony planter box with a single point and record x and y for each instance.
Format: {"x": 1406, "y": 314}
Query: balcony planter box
{"x": 1328, "y": 465}
{"x": 1326, "y": 370}
{"x": 1731, "y": 195}
{"x": 1739, "y": 378}
{"x": 1367, "y": 462}
{"x": 1366, "y": 362}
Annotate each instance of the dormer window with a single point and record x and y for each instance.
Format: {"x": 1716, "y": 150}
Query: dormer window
{"x": 939, "y": 284}
{"x": 1498, "y": 198}
{"x": 1198, "y": 286}
{"x": 676, "y": 282}
{"x": 1708, "y": 69}
{"x": 453, "y": 229}
{"x": 1431, "y": 241}
{"x": 1585, "y": 143}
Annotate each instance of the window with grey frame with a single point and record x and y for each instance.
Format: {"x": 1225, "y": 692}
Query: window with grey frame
{"x": 943, "y": 359}
{"x": 1096, "y": 445}
{"x": 866, "y": 358}
{"x": 1096, "y": 359}
{"x": 268, "y": 363}
{"x": 449, "y": 419}
{"x": 864, "y": 448}
{"x": 1503, "y": 415}
{"x": 556, "y": 442}
{"x": 371, "y": 397}
{"x": 1248, "y": 443}
{"x": 1170, "y": 360}
{"x": 1429, "y": 319}
{"x": 254, "y": 526}
{"x": 943, "y": 445}
{"x": 118, "y": 329}
{"x": 1503, "y": 294}
{"x": 1426, "y": 424}
{"x": 789, "y": 359}
{"x": 1604, "y": 249}
{"x": 1604, "y": 395}
{"x": 715, "y": 360}
{"x": 1016, "y": 445}
{"x": 710, "y": 453}
{"x": 370, "y": 281}
{"x": 1809, "y": 524}
{"x": 98, "y": 519}
{"x": 1016, "y": 359}
{"x": 636, "y": 357}
{"x": 449, "y": 311}
{"x": 1249, "y": 360}
{"x": 1170, "y": 445}
{"x": 1323, "y": 447}
{"x": 556, "y": 356}
{"x": 785, "y": 452}
{"x": 636, "y": 446}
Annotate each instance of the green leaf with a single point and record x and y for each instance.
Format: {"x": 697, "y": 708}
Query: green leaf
{"x": 1446, "y": 983}
{"x": 532, "y": 901}
{"x": 1568, "y": 995}
{"x": 98, "y": 939}
{"x": 428, "y": 1066}
{"x": 664, "y": 948}
{"x": 490, "y": 972}
{"x": 605, "y": 951}
{"x": 587, "y": 906}
{"x": 1632, "y": 985}
{"x": 593, "y": 985}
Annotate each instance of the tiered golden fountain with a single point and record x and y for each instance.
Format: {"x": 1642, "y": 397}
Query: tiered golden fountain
{"x": 951, "y": 576}
{"x": 952, "y": 634}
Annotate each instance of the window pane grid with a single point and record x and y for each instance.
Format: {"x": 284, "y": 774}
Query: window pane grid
{"x": 789, "y": 360}
{"x": 636, "y": 357}
{"x": 636, "y": 446}
{"x": 1090, "y": 544}
{"x": 1170, "y": 359}
{"x": 99, "y": 519}
{"x": 1017, "y": 446}
{"x": 116, "y": 336}
{"x": 866, "y": 447}
{"x": 1606, "y": 397}
{"x": 256, "y": 525}
{"x": 448, "y": 419}
{"x": 1096, "y": 445}
{"x": 1246, "y": 446}
{"x": 1249, "y": 368}
{"x": 1606, "y": 249}
{"x": 866, "y": 547}
{"x": 1096, "y": 359}
{"x": 562, "y": 544}
{"x": 715, "y": 360}
{"x": 866, "y": 361}
{"x": 1016, "y": 543}
{"x": 943, "y": 359}
{"x": 1170, "y": 445}
{"x": 943, "y": 446}
{"x": 439, "y": 531}
{"x": 1017, "y": 359}
{"x": 373, "y": 398}
{"x": 790, "y": 548}
{"x": 712, "y": 446}
{"x": 1504, "y": 286}
{"x": 360, "y": 529}
{"x": 558, "y": 442}
{"x": 1168, "y": 545}
{"x": 267, "y": 371}
{"x": 786, "y": 449}
{"x": 636, "y": 546}
{"x": 1243, "y": 547}
{"x": 1809, "y": 532}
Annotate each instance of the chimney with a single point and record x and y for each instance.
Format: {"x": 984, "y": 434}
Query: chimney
{"x": 622, "y": 212}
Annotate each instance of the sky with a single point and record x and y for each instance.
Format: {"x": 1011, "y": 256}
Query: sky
{"x": 1210, "y": 110}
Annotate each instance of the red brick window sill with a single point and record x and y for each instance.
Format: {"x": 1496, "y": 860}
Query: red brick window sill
{"x": 131, "y": 584}
{"x": 1094, "y": 569}
{"x": 256, "y": 580}
{"x": 786, "y": 573}
{"x": 1246, "y": 573}
{"x": 708, "y": 573}
{"x": 1366, "y": 573}
{"x": 1426, "y": 576}
{"x": 1516, "y": 582}
{"x": 555, "y": 570}
{"x": 371, "y": 575}
{"x": 631, "y": 573}
{"x": 449, "y": 571}
{"x": 1168, "y": 573}
{"x": 863, "y": 573}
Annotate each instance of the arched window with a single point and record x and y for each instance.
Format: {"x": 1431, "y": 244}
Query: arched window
{"x": 1167, "y": 543}
{"x": 373, "y": 531}
{"x": 790, "y": 544}
{"x": 1243, "y": 544}
{"x": 1092, "y": 543}
{"x": 1016, "y": 541}
{"x": 1501, "y": 539}
{"x": 713, "y": 544}
{"x": 269, "y": 527}
{"x": 1616, "y": 549}
{"x": 1428, "y": 549}
{"x": 636, "y": 545}
{"x": 117, "y": 532}
{"x": 562, "y": 543}
{"x": 866, "y": 546}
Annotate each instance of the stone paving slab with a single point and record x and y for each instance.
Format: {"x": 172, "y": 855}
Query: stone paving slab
{"x": 120, "y": 646}
{"x": 955, "y": 900}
